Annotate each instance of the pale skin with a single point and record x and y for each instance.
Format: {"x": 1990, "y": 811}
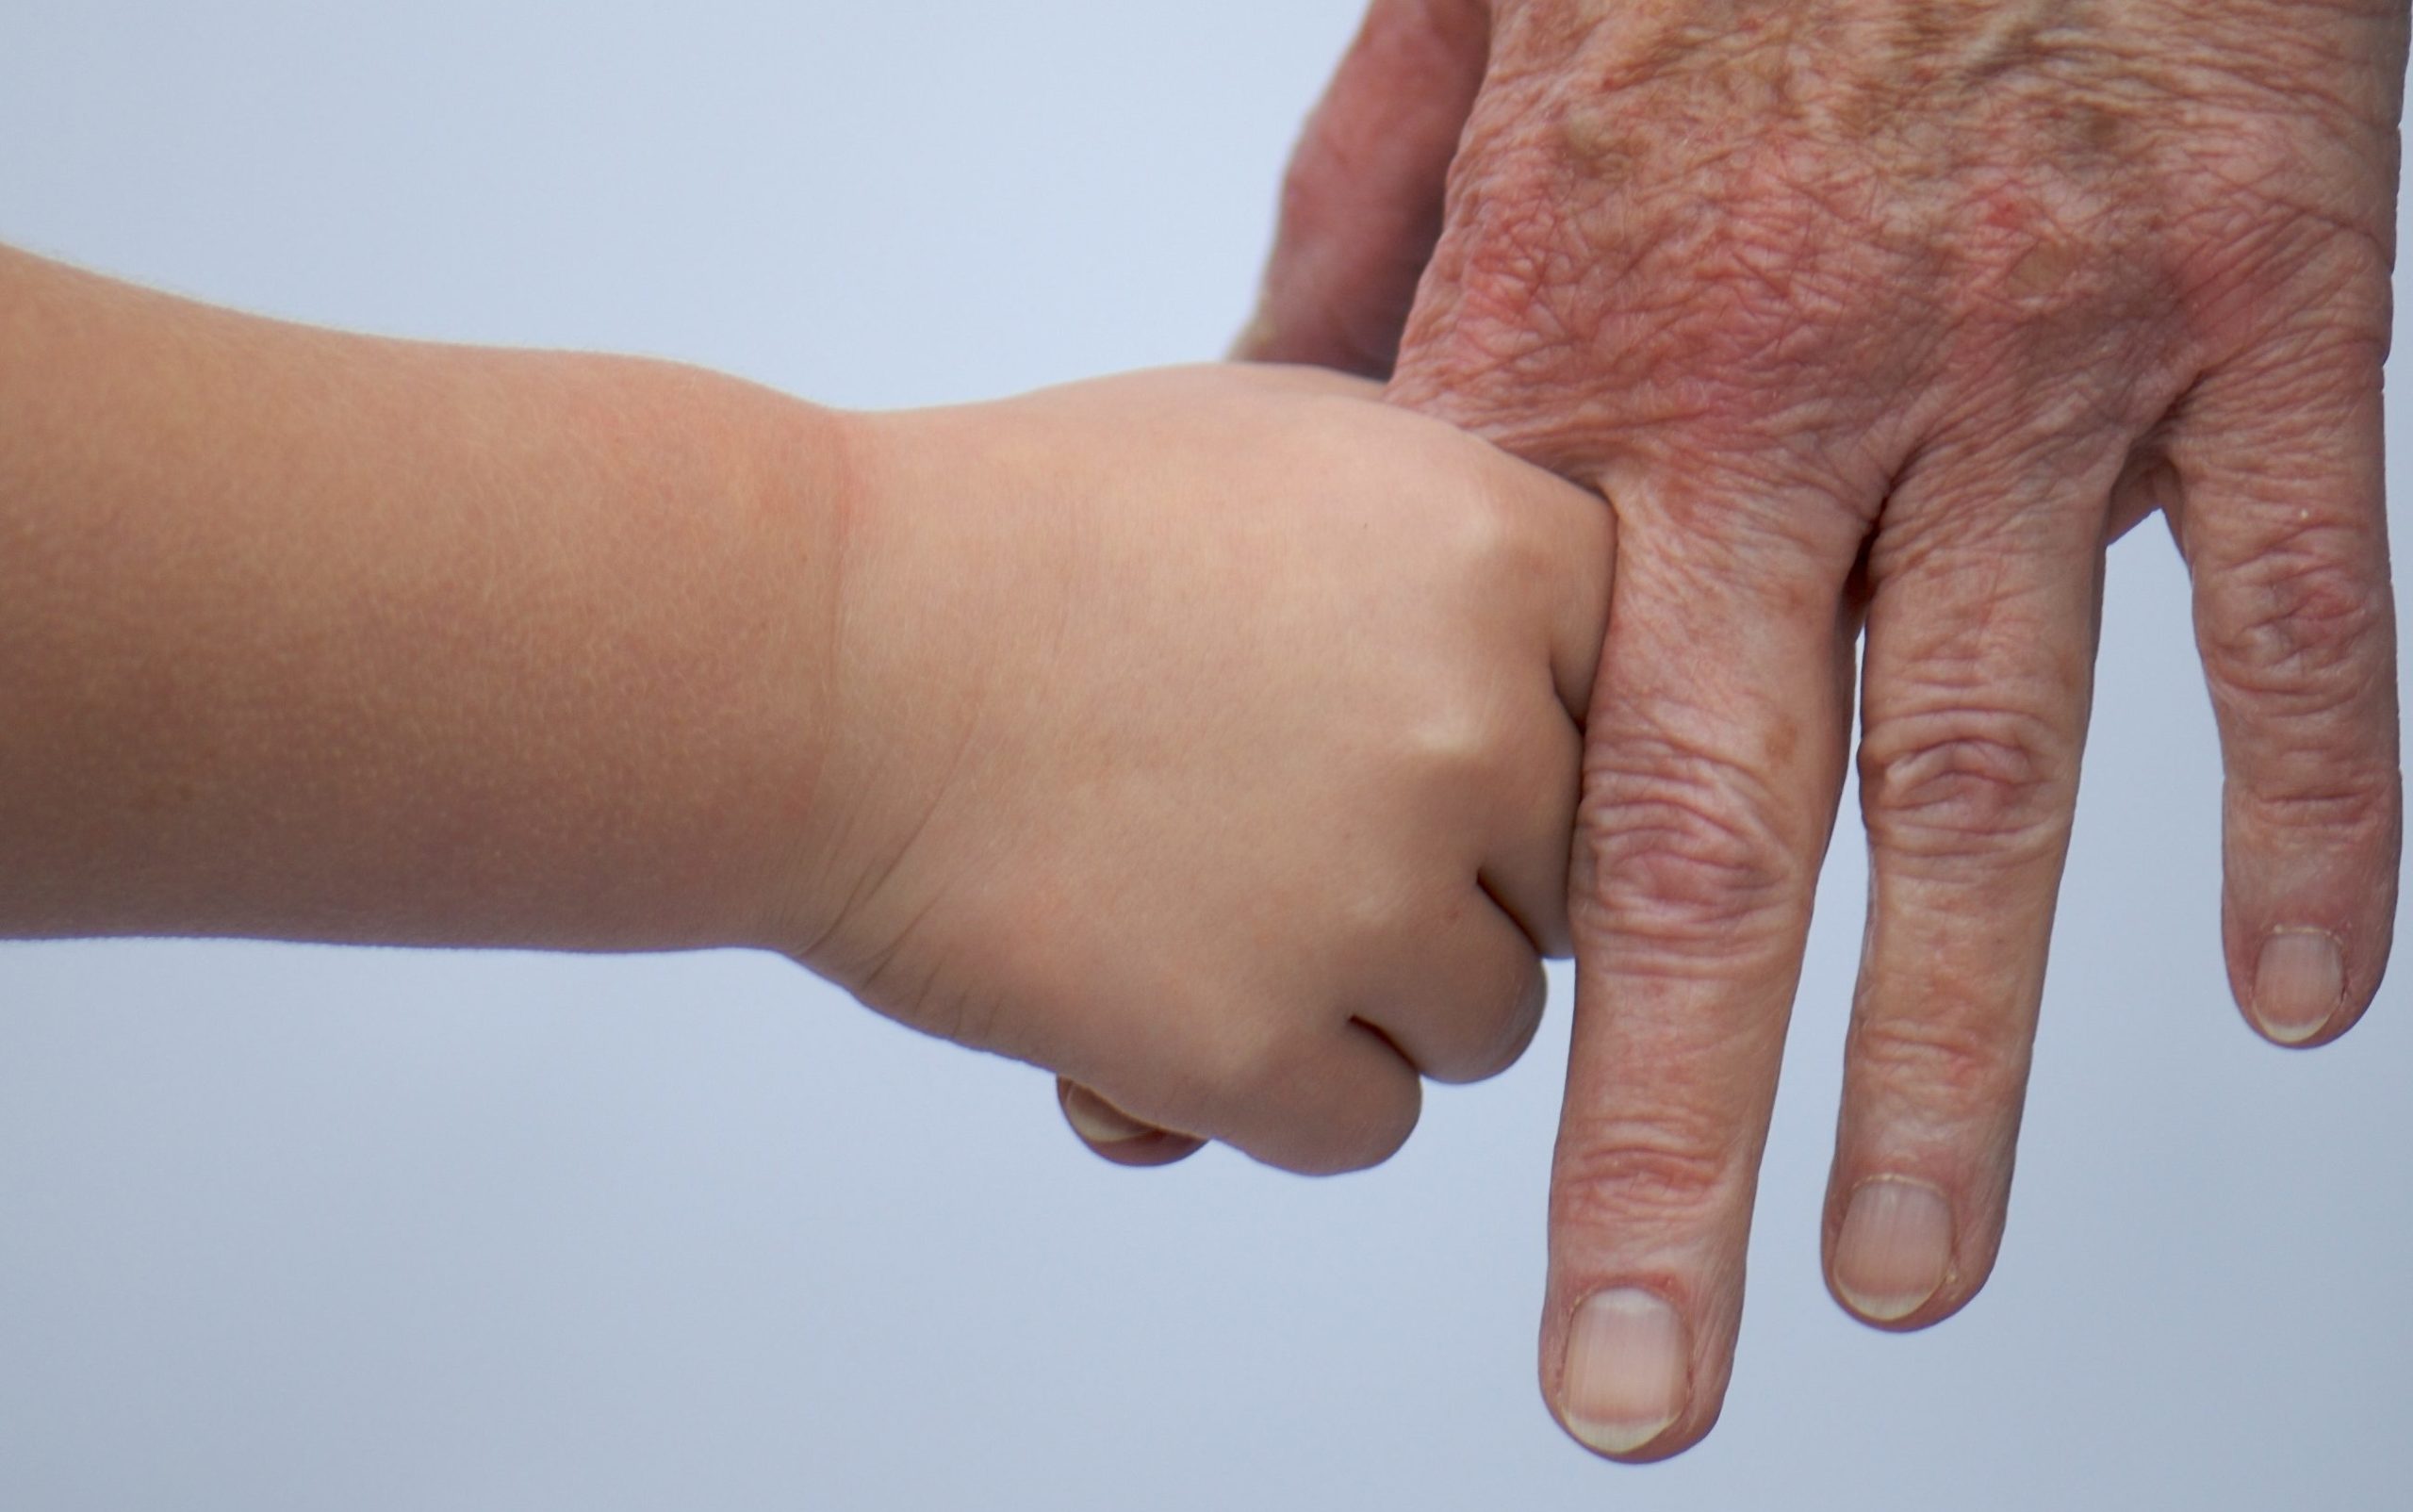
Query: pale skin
{"x": 1876, "y": 321}
{"x": 1208, "y": 735}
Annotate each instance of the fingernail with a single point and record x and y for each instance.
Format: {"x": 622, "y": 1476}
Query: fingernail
{"x": 1628, "y": 1370}
{"x": 2298, "y": 984}
{"x": 1896, "y": 1249}
{"x": 1254, "y": 335}
{"x": 1098, "y": 1120}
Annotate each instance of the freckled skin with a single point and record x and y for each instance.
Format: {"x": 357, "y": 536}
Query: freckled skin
{"x": 1875, "y": 320}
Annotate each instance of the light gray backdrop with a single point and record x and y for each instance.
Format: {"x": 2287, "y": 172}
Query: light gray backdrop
{"x": 287, "y": 1228}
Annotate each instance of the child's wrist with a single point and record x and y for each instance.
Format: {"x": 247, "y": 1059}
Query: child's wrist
{"x": 911, "y": 624}
{"x": 831, "y": 827}
{"x": 792, "y": 489}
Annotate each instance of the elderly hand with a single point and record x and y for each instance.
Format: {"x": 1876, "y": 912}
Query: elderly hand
{"x": 1889, "y": 313}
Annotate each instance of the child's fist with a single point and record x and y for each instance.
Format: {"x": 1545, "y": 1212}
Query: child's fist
{"x": 1209, "y": 736}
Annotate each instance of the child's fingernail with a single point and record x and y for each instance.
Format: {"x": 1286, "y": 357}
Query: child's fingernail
{"x": 2298, "y": 984}
{"x": 1628, "y": 1370}
{"x": 1098, "y": 1120}
{"x": 1896, "y": 1248}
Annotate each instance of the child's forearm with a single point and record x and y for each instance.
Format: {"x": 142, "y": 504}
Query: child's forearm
{"x": 323, "y": 636}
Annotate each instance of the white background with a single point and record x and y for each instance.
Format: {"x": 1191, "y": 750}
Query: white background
{"x": 285, "y": 1228}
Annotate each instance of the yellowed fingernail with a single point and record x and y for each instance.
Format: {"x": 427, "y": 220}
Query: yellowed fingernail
{"x": 1628, "y": 1369}
{"x": 2298, "y": 984}
{"x": 1894, "y": 1252}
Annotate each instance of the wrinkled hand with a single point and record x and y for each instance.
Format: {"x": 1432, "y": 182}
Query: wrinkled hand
{"x": 1885, "y": 313}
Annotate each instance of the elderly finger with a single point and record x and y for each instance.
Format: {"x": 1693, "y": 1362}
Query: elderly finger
{"x": 1361, "y": 205}
{"x": 1981, "y": 635}
{"x": 2276, "y": 496}
{"x": 1714, "y": 760}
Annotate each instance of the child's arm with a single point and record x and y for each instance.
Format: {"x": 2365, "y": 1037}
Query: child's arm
{"x": 313, "y": 635}
{"x": 1203, "y": 735}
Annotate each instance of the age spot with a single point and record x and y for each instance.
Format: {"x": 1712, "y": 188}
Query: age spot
{"x": 1600, "y": 135}
{"x": 2040, "y": 270}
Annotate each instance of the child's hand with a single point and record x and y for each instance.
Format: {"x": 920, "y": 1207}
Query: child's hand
{"x": 1208, "y": 736}
{"x": 1204, "y": 735}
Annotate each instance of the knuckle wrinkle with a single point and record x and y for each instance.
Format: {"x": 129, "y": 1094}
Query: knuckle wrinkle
{"x": 2301, "y": 626}
{"x": 1956, "y": 1064}
{"x": 1965, "y": 780}
{"x": 1617, "y": 1173}
{"x": 1682, "y": 845}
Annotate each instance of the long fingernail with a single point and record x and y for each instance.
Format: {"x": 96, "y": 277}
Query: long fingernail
{"x": 1098, "y": 1120}
{"x": 1628, "y": 1369}
{"x": 1896, "y": 1249}
{"x": 2298, "y": 984}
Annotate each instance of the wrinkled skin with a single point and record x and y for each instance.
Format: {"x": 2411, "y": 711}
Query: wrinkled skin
{"x": 1884, "y": 316}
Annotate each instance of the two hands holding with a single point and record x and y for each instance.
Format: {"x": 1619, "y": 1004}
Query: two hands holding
{"x": 1234, "y": 744}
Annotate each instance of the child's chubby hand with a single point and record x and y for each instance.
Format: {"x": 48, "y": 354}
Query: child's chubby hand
{"x": 1211, "y": 737}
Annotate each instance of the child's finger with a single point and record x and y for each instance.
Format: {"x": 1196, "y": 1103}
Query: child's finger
{"x": 1530, "y": 826}
{"x": 1325, "y": 1103}
{"x": 1115, "y": 1134}
{"x": 1580, "y": 537}
{"x": 1560, "y": 582}
{"x": 1465, "y": 1005}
